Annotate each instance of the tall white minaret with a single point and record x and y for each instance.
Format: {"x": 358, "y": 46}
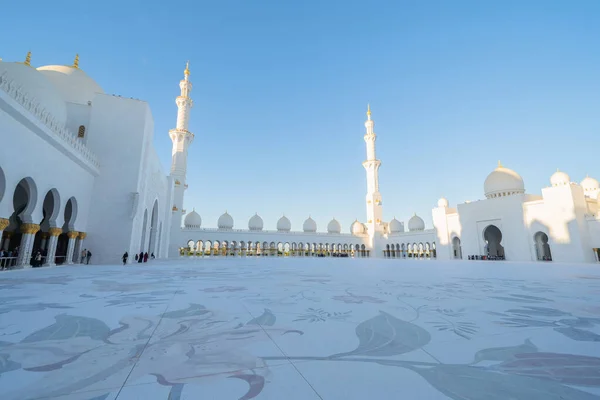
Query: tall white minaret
{"x": 371, "y": 164}
{"x": 181, "y": 138}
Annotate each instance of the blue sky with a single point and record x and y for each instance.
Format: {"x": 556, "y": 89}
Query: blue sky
{"x": 281, "y": 87}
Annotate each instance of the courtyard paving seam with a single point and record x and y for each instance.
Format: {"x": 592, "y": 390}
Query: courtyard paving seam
{"x": 286, "y": 356}
{"x": 138, "y": 356}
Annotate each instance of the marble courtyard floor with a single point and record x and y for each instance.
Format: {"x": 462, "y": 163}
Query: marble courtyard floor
{"x": 301, "y": 329}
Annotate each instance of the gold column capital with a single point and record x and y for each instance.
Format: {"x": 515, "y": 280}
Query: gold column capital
{"x": 4, "y": 222}
{"x": 30, "y": 229}
{"x": 82, "y": 235}
{"x": 55, "y": 231}
{"x": 72, "y": 234}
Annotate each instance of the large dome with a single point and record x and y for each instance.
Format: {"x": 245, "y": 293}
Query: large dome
{"x": 255, "y": 223}
{"x": 37, "y": 87}
{"x": 192, "y": 220}
{"x": 225, "y": 221}
{"x": 416, "y": 223}
{"x": 357, "y": 228}
{"x": 309, "y": 225}
{"x": 284, "y": 224}
{"x": 396, "y": 226}
{"x": 503, "y": 182}
{"x": 74, "y": 84}
{"x": 559, "y": 178}
{"x": 334, "y": 226}
{"x": 590, "y": 186}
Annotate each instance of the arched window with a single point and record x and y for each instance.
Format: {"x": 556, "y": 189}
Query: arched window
{"x": 81, "y": 131}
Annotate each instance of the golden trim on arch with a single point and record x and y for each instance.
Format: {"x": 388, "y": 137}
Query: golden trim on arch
{"x": 4, "y": 222}
{"x": 55, "y": 231}
{"x": 30, "y": 229}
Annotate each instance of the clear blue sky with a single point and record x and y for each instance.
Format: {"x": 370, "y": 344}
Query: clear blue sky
{"x": 281, "y": 87}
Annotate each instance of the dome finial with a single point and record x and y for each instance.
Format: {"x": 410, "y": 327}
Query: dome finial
{"x": 369, "y": 111}
{"x": 187, "y": 69}
{"x": 500, "y": 164}
{"x": 76, "y": 61}
{"x": 28, "y": 59}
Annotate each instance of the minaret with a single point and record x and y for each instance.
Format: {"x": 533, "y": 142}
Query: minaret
{"x": 374, "y": 209}
{"x": 181, "y": 138}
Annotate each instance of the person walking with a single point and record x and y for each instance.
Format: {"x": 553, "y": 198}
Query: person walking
{"x": 38, "y": 259}
{"x": 146, "y": 257}
{"x": 88, "y": 256}
{"x": 125, "y": 256}
{"x": 141, "y": 257}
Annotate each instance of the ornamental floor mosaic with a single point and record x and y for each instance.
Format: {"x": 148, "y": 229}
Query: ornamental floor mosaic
{"x": 301, "y": 329}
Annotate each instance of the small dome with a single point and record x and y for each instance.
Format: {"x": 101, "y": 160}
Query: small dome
{"x": 36, "y": 87}
{"x": 192, "y": 220}
{"x": 225, "y": 221}
{"x": 396, "y": 226}
{"x": 255, "y": 223}
{"x": 443, "y": 202}
{"x": 357, "y": 228}
{"x": 503, "y": 182}
{"x": 589, "y": 185}
{"x": 334, "y": 226}
{"x": 559, "y": 178}
{"x": 74, "y": 85}
{"x": 284, "y": 224}
{"x": 309, "y": 225}
{"x": 416, "y": 223}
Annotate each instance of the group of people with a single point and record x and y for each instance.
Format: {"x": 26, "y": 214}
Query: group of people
{"x": 85, "y": 256}
{"x": 488, "y": 257}
{"x": 140, "y": 258}
{"x": 8, "y": 258}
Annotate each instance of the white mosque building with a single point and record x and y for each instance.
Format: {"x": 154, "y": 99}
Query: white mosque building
{"x": 92, "y": 179}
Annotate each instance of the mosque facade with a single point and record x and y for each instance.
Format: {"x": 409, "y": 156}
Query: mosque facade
{"x": 92, "y": 179}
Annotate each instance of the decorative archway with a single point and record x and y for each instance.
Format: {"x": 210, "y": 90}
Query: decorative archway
{"x": 542, "y": 247}
{"x": 493, "y": 239}
{"x": 153, "y": 228}
{"x": 456, "y": 249}
{"x": 143, "y": 233}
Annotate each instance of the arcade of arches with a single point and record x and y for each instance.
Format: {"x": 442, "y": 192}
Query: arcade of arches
{"x": 53, "y": 236}
{"x": 287, "y": 249}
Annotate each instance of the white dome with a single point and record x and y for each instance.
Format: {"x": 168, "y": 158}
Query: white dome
{"x": 503, "y": 182}
{"x": 74, "y": 85}
{"x": 192, "y": 220}
{"x": 443, "y": 202}
{"x": 589, "y": 185}
{"x": 225, "y": 221}
{"x": 396, "y": 226}
{"x": 309, "y": 225}
{"x": 357, "y": 228}
{"x": 284, "y": 224}
{"x": 255, "y": 223}
{"x": 37, "y": 87}
{"x": 416, "y": 223}
{"x": 559, "y": 178}
{"x": 334, "y": 226}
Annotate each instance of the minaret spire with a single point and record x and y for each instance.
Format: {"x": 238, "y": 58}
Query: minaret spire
{"x": 372, "y": 164}
{"x": 181, "y": 138}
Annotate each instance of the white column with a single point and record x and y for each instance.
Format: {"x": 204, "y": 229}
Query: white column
{"x": 72, "y": 235}
{"x": 80, "y": 239}
{"x": 51, "y": 245}
{"x": 44, "y": 240}
{"x": 28, "y": 236}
